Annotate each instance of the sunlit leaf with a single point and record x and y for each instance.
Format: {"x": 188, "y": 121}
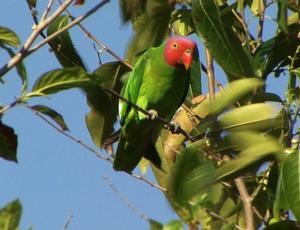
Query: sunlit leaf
{"x": 10, "y": 216}
{"x": 51, "y": 113}
{"x": 291, "y": 182}
{"x": 252, "y": 146}
{"x": 182, "y": 22}
{"x": 174, "y": 225}
{"x": 235, "y": 91}
{"x": 220, "y": 39}
{"x": 62, "y": 79}
{"x": 62, "y": 44}
{"x": 258, "y": 116}
{"x": 8, "y": 37}
{"x": 8, "y": 143}
{"x": 104, "y": 106}
{"x": 257, "y": 7}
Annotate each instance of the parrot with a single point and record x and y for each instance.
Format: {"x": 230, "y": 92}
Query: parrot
{"x": 158, "y": 83}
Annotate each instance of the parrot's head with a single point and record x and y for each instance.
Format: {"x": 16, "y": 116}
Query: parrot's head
{"x": 180, "y": 51}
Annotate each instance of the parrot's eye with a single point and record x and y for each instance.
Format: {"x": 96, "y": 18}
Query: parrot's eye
{"x": 174, "y": 45}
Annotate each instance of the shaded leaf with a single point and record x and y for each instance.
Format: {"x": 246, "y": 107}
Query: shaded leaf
{"x": 291, "y": 182}
{"x": 51, "y": 113}
{"x": 104, "y": 106}
{"x": 284, "y": 225}
{"x": 151, "y": 27}
{"x": 8, "y": 143}
{"x": 155, "y": 225}
{"x": 32, "y": 3}
{"x": 62, "y": 44}
{"x": 130, "y": 10}
{"x": 10, "y": 216}
{"x": 8, "y": 37}
{"x": 62, "y": 79}
{"x": 195, "y": 81}
{"x": 191, "y": 171}
{"x": 220, "y": 39}
{"x": 280, "y": 203}
{"x": 282, "y": 15}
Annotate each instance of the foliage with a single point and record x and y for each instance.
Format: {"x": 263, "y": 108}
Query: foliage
{"x": 244, "y": 134}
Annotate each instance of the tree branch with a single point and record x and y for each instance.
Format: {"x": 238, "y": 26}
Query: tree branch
{"x": 210, "y": 74}
{"x": 26, "y": 51}
{"x": 97, "y": 154}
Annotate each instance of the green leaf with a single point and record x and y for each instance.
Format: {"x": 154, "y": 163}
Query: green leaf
{"x": 32, "y": 3}
{"x": 62, "y": 79}
{"x": 282, "y": 15}
{"x": 151, "y": 27}
{"x": 257, "y": 7}
{"x": 191, "y": 171}
{"x": 51, "y": 113}
{"x": 62, "y": 44}
{"x": 182, "y": 22}
{"x": 253, "y": 147}
{"x": 174, "y": 225}
{"x": 283, "y": 225}
{"x": 155, "y": 225}
{"x": 104, "y": 106}
{"x": 258, "y": 116}
{"x": 130, "y": 10}
{"x": 10, "y": 216}
{"x": 220, "y": 39}
{"x": 280, "y": 203}
{"x": 277, "y": 51}
{"x": 291, "y": 182}
{"x": 235, "y": 91}
{"x": 8, "y": 37}
{"x": 195, "y": 81}
{"x": 21, "y": 70}
{"x": 8, "y": 143}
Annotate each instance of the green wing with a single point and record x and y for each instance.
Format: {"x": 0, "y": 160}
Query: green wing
{"x": 131, "y": 90}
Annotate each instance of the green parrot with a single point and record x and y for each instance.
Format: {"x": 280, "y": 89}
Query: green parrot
{"x": 158, "y": 83}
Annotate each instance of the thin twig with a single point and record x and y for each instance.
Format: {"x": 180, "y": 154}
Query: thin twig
{"x": 66, "y": 225}
{"x": 172, "y": 127}
{"x": 244, "y": 195}
{"x": 217, "y": 216}
{"x": 47, "y": 10}
{"x": 97, "y": 154}
{"x": 97, "y": 41}
{"x": 70, "y": 25}
{"x": 24, "y": 51}
{"x": 124, "y": 199}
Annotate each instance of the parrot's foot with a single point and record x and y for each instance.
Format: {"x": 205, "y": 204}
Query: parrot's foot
{"x": 153, "y": 114}
{"x": 174, "y": 127}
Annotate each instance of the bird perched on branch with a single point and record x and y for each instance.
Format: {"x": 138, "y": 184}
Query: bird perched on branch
{"x": 158, "y": 83}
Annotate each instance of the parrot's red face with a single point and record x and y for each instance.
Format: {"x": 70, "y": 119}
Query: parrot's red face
{"x": 180, "y": 51}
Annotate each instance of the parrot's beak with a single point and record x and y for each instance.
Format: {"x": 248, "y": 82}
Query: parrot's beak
{"x": 187, "y": 59}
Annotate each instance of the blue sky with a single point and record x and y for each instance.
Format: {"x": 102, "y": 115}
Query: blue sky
{"x": 56, "y": 178}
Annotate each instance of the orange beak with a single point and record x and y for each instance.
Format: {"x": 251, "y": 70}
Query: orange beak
{"x": 187, "y": 59}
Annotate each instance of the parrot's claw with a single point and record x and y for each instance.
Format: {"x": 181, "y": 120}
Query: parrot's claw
{"x": 153, "y": 114}
{"x": 174, "y": 127}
